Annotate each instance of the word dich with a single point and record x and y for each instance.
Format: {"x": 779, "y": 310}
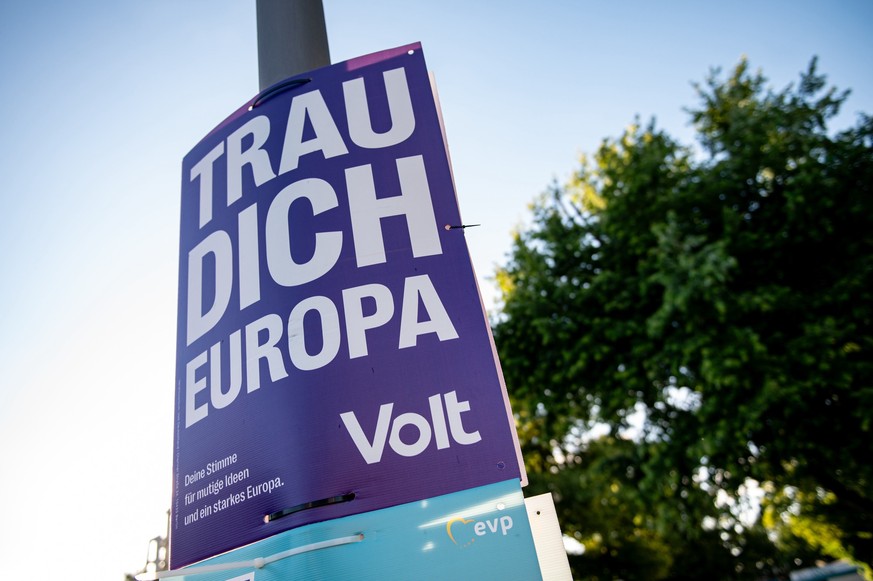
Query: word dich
{"x": 238, "y": 263}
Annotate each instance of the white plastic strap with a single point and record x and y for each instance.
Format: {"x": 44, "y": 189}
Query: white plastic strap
{"x": 256, "y": 563}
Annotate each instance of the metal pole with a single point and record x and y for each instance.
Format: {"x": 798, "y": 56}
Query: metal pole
{"x": 292, "y": 39}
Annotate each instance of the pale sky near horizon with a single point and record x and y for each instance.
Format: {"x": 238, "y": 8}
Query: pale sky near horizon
{"x": 100, "y": 102}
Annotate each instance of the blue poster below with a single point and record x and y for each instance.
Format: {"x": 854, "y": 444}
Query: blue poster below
{"x": 481, "y": 533}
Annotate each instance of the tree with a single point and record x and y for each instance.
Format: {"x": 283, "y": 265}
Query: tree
{"x": 713, "y": 308}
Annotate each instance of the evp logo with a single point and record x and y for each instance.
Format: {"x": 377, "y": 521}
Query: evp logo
{"x": 444, "y": 425}
{"x": 463, "y": 534}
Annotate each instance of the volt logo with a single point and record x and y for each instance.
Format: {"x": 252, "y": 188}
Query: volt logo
{"x": 444, "y": 425}
{"x": 463, "y": 535}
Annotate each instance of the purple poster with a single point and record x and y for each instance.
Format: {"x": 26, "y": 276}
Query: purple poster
{"x": 333, "y": 356}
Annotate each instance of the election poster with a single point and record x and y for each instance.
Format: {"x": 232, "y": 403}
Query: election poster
{"x": 333, "y": 354}
{"x": 480, "y": 533}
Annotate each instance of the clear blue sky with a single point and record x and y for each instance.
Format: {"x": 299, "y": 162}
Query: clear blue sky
{"x": 100, "y": 102}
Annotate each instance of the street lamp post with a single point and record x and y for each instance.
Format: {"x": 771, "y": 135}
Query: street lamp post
{"x": 292, "y": 39}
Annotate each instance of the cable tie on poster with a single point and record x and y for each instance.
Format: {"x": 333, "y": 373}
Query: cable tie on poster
{"x": 256, "y": 563}
{"x": 276, "y": 89}
{"x": 307, "y": 505}
{"x": 460, "y": 226}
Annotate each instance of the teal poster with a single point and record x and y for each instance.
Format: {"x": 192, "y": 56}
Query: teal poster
{"x": 480, "y": 533}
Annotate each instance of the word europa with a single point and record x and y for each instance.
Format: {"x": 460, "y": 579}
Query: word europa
{"x": 480, "y": 528}
{"x": 233, "y": 260}
{"x": 371, "y": 448}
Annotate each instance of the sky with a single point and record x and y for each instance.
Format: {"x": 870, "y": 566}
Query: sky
{"x": 99, "y": 102}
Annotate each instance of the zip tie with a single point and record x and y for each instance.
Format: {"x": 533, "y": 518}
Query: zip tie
{"x": 256, "y": 563}
{"x": 276, "y": 89}
{"x": 307, "y": 505}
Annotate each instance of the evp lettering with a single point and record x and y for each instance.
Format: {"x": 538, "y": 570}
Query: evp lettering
{"x": 445, "y": 425}
{"x": 463, "y": 531}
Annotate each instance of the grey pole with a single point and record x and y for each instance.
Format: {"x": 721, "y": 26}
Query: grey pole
{"x": 292, "y": 39}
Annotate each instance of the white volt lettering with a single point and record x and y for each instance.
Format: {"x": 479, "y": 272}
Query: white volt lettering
{"x": 442, "y": 409}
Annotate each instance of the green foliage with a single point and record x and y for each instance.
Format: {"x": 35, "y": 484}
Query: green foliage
{"x": 720, "y": 304}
